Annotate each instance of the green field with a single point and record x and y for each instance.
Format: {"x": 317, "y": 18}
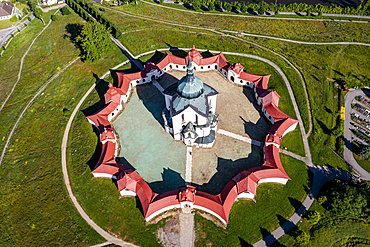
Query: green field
{"x": 34, "y": 205}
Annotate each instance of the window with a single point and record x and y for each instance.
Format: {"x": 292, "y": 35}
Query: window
{"x": 170, "y": 66}
{"x": 177, "y": 66}
{"x": 143, "y": 80}
{"x": 196, "y": 119}
{"x": 215, "y": 66}
{"x": 183, "y": 67}
{"x": 209, "y": 67}
{"x": 182, "y": 117}
{"x": 113, "y": 114}
{"x": 201, "y": 67}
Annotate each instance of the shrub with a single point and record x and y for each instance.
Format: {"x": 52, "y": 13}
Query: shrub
{"x": 161, "y": 1}
{"x": 54, "y": 17}
{"x": 303, "y": 238}
{"x": 319, "y": 14}
{"x": 211, "y": 7}
{"x": 308, "y": 13}
{"x": 313, "y": 217}
{"x": 196, "y": 5}
{"x": 364, "y": 152}
{"x": 29, "y": 18}
{"x": 65, "y": 11}
{"x": 322, "y": 199}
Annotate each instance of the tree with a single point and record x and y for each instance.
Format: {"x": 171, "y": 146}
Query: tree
{"x": 211, "y": 6}
{"x": 364, "y": 152}
{"x": 261, "y": 10}
{"x": 196, "y": 5}
{"x": 313, "y": 217}
{"x": 303, "y": 238}
{"x": 65, "y": 11}
{"x": 38, "y": 14}
{"x": 243, "y": 8}
{"x": 94, "y": 40}
{"x": 337, "y": 131}
{"x": 227, "y": 6}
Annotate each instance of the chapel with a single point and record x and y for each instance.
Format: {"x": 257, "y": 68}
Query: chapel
{"x": 190, "y": 111}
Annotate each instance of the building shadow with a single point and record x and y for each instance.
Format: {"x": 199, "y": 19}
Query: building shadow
{"x": 171, "y": 180}
{"x": 123, "y": 161}
{"x": 100, "y": 88}
{"x": 264, "y": 232}
{"x": 155, "y": 58}
{"x": 227, "y": 169}
{"x": 176, "y": 51}
{"x": 206, "y": 54}
{"x": 324, "y": 128}
{"x": 295, "y": 203}
{"x": 98, "y": 149}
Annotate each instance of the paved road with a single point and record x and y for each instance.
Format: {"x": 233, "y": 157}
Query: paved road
{"x": 322, "y": 175}
{"x": 5, "y": 34}
{"x": 348, "y": 155}
{"x": 53, "y": 7}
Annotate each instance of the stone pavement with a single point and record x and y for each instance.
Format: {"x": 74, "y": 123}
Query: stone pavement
{"x": 187, "y": 228}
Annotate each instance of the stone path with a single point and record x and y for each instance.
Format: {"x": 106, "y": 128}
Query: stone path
{"x": 102, "y": 244}
{"x": 348, "y": 155}
{"x": 296, "y": 156}
{"x": 239, "y": 137}
{"x": 189, "y": 163}
{"x": 187, "y": 234}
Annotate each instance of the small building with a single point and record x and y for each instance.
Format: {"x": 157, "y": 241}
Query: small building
{"x": 190, "y": 112}
{"x": 6, "y": 10}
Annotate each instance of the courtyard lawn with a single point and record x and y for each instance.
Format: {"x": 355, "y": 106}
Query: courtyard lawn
{"x": 290, "y": 29}
{"x": 34, "y": 205}
{"x": 251, "y": 221}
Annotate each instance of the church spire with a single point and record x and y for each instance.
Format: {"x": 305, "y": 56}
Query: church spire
{"x": 190, "y": 67}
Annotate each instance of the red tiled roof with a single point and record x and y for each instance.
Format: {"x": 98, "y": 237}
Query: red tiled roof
{"x": 237, "y": 68}
{"x": 113, "y": 94}
{"x": 124, "y": 80}
{"x": 99, "y": 121}
{"x": 127, "y": 179}
{"x": 275, "y": 112}
{"x": 106, "y": 157}
{"x": 107, "y": 134}
{"x": 194, "y": 55}
{"x": 187, "y": 193}
{"x": 271, "y": 97}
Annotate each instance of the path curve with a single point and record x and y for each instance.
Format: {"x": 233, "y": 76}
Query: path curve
{"x": 98, "y": 229}
{"x": 22, "y": 59}
{"x": 28, "y": 105}
{"x": 322, "y": 175}
{"x": 250, "y": 42}
{"x": 348, "y": 155}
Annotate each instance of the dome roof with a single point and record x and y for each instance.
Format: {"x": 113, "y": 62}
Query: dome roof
{"x": 190, "y": 86}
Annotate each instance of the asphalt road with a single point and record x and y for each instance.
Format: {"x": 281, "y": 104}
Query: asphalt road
{"x": 6, "y": 33}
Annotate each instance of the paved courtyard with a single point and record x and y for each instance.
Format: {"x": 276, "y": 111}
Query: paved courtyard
{"x": 145, "y": 145}
{"x": 161, "y": 161}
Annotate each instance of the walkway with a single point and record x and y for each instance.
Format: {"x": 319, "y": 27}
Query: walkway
{"x": 80, "y": 210}
{"x": 322, "y": 175}
{"x": 189, "y": 164}
{"x": 348, "y": 155}
{"x": 53, "y": 7}
{"x": 240, "y": 138}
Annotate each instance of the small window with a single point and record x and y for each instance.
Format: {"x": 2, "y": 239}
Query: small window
{"x": 241, "y": 81}
{"x": 183, "y": 67}
{"x": 170, "y": 66}
{"x": 113, "y": 114}
{"x": 209, "y": 67}
{"x": 143, "y": 80}
{"x": 116, "y": 109}
{"x": 270, "y": 117}
{"x": 177, "y": 66}
{"x": 201, "y": 67}
{"x": 215, "y": 66}
{"x": 196, "y": 119}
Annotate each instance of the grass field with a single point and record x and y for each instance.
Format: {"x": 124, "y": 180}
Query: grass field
{"x": 35, "y": 209}
{"x": 363, "y": 162}
{"x": 250, "y": 221}
{"x": 291, "y": 29}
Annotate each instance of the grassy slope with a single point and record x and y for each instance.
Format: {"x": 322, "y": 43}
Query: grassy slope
{"x": 298, "y": 30}
{"x": 249, "y": 221}
{"x": 35, "y": 209}
{"x": 363, "y": 162}
{"x": 99, "y": 196}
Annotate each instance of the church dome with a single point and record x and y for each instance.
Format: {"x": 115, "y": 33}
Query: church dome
{"x": 190, "y": 86}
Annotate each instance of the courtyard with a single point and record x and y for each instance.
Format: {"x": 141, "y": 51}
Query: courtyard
{"x": 160, "y": 160}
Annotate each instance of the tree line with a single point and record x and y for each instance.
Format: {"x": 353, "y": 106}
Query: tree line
{"x": 362, "y": 9}
{"x": 88, "y": 11}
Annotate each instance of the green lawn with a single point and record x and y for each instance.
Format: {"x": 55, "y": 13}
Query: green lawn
{"x": 34, "y": 205}
{"x": 293, "y": 142}
{"x": 363, "y": 162}
{"x": 5, "y": 24}
{"x": 250, "y": 221}
{"x": 291, "y": 29}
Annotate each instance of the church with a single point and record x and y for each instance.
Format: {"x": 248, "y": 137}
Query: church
{"x": 190, "y": 112}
